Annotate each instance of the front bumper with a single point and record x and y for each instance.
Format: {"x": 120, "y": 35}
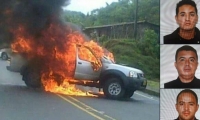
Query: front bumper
{"x": 136, "y": 83}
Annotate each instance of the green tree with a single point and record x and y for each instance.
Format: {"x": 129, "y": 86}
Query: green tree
{"x": 149, "y": 44}
{"x": 118, "y": 12}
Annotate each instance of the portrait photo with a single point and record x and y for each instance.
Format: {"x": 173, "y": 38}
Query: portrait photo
{"x": 171, "y": 67}
{"x": 173, "y": 22}
{"x": 179, "y": 103}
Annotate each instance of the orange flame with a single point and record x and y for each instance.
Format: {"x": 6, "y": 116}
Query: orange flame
{"x": 57, "y": 45}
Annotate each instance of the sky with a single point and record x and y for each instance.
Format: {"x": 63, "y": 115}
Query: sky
{"x": 86, "y": 6}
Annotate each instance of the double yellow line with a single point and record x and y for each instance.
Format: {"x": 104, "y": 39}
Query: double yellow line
{"x": 86, "y": 108}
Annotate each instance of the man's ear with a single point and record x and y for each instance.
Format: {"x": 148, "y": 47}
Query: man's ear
{"x": 197, "y": 107}
{"x": 176, "y": 18}
{"x": 175, "y": 65}
{"x": 197, "y": 19}
{"x": 177, "y": 107}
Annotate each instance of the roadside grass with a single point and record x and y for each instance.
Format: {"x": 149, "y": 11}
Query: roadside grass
{"x": 154, "y": 85}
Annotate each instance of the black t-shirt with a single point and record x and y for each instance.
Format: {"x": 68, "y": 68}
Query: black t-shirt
{"x": 184, "y": 41}
{"x": 195, "y": 83}
{"x": 174, "y": 38}
{"x": 178, "y": 118}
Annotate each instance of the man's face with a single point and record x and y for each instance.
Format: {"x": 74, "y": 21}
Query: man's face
{"x": 187, "y": 17}
{"x": 186, "y": 64}
{"x": 186, "y": 106}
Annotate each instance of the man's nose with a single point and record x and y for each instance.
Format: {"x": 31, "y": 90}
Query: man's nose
{"x": 187, "y": 62}
{"x": 186, "y": 107}
{"x": 187, "y": 17}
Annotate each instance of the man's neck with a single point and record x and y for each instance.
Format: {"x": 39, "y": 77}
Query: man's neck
{"x": 187, "y": 34}
{"x": 186, "y": 79}
{"x": 187, "y": 119}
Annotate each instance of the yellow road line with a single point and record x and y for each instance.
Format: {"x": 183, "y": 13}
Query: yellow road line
{"x": 91, "y": 108}
{"x": 109, "y": 117}
{"x": 84, "y": 104}
{"x": 92, "y": 114}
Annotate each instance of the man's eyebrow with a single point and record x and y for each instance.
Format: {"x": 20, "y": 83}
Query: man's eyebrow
{"x": 189, "y": 12}
{"x": 193, "y": 12}
{"x": 180, "y": 58}
{"x": 184, "y": 57}
{"x": 186, "y": 102}
{"x": 192, "y": 102}
{"x": 193, "y": 57}
{"x": 180, "y": 102}
{"x": 182, "y": 13}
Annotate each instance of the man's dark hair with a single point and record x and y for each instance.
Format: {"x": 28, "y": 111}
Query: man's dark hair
{"x": 186, "y": 2}
{"x": 187, "y": 91}
{"x": 186, "y": 48}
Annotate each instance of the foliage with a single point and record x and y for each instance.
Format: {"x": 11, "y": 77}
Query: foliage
{"x": 142, "y": 54}
{"x": 148, "y": 45}
{"x": 149, "y": 10}
{"x": 74, "y": 17}
{"x": 117, "y": 12}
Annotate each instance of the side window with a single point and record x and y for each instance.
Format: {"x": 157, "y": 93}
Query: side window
{"x": 85, "y": 54}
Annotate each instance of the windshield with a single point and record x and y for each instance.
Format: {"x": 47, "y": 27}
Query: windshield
{"x": 105, "y": 59}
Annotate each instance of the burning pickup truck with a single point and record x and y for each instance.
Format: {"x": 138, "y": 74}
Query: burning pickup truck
{"x": 116, "y": 80}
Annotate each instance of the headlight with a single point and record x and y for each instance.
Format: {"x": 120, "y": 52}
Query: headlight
{"x": 132, "y": 74}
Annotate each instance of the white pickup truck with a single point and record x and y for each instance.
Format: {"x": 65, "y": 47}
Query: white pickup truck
{"x": 117, "y": 81}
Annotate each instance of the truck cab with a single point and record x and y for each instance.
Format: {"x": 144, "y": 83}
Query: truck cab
{"x": 117, "y": 81}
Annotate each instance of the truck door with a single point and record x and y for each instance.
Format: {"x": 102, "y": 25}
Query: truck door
{"x": 85, "y": 60}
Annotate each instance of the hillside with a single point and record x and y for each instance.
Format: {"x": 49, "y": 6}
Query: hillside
{"x": 141, "y": 54}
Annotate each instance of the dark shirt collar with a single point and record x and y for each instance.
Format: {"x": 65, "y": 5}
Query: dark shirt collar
{"x": 196, "y": 38}
{"x": 195, "y": 83}
{"x": 187, "y": 83}
{"x": 178, "y": 119}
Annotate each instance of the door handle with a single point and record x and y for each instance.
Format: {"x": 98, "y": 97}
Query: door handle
{"x": 79, "y": 62}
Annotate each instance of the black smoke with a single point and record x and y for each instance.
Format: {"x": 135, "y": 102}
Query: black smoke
{"x": 35, "y": 15}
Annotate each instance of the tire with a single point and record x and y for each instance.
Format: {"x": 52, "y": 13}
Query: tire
{"x": 128, "y": 93}
{"x": 113, "y": 88}
{"x": 4, "y": 56}
{"x": 32, "y": 79}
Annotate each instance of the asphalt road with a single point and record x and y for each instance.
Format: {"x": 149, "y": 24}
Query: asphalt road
{"x": 17, "y": 102}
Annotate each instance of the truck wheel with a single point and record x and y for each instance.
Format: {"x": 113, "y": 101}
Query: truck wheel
{"x": 128, "y": 93}
{"x": 4, "y": 56}
{"x": 113, "y": 88}
{"x": 32, "y": 79}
